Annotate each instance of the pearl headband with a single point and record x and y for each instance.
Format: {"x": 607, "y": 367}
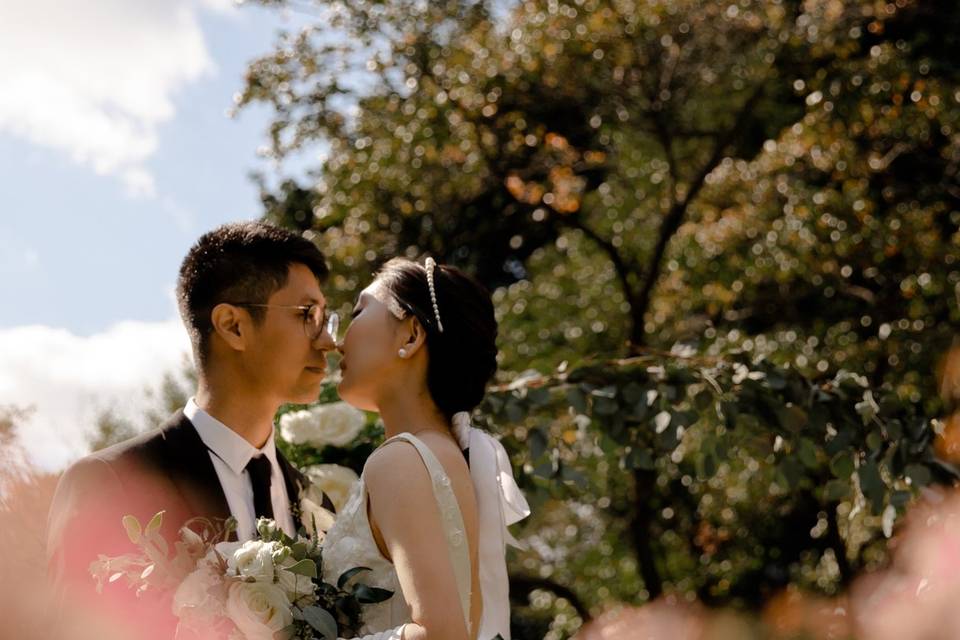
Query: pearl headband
{"x": 380, "y": 292}
{"x": 429, "y": 266}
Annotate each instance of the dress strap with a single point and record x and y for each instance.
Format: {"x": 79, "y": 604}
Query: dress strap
{"x": 453, "y": 525}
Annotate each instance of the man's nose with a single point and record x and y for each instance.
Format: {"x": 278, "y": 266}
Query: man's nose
{"x": 324, "y": 342}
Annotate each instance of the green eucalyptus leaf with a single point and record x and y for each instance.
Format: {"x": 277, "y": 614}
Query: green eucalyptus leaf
{"x": 605, "y": 406}
{"x": 537, "y": 440}
{"x": 577, "y": 399}
{"x": 371, "y": 595}
{"x": 807, "y": 452}
{"x": 305, "y": 567}
{"x": 348, "y": 574}
{"x": 872, "y": 485}
{"x": 792, "y": 418}
{"x": 538, "y": 396}
{"x": 919, "y": 474}
{"x": 134, "y": 531}
{"x": 321, "y": 621}
{"x": 154, "y": 525}
{"x": 836, "y": 490}
{"x": 842, "y": 466}
{"x": 640, "y": 458}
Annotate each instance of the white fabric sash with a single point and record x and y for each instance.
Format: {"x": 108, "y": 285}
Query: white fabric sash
{"x": 499, "y": 503}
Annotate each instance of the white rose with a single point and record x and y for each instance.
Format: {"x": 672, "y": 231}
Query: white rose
{"x": 253, "y": 559}
{"x": 297, "y": 427}
{"x": 258, "y": 609}
{"x": 198, "y": 599}
{"x": 312, "y": 512}
{"x": 334, "y": 480}
{"x": 336, "y": 423}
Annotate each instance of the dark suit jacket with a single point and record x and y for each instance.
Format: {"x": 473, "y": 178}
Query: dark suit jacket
{"x": 165, "y": 469}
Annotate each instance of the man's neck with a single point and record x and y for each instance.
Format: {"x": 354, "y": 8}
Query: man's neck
{"x": 247, "y": 415}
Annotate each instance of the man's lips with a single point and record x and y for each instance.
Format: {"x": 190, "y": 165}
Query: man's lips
{"x": 318, "y": 369}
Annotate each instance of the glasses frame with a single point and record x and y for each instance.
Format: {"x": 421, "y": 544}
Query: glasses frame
{"x": 329, "y": 323}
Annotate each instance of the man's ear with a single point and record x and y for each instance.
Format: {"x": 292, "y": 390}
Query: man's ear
{"x": 232, "y": 324}
{"x": 413, "y": 335}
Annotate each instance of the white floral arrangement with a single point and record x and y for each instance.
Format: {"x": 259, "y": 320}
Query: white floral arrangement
{"x": 310, "y": 513}
{"x": 262, "y": 589}
{"x": 335, "y": 480}
{"x": 335, "y": 424}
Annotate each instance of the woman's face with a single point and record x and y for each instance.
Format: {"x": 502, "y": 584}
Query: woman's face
{"x": 370, "y": 363}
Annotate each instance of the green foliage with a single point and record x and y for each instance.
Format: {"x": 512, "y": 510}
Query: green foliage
{"x": 724, "y": 478}
{"x": 11, "y": 417}
{"x": 109, "y": 430}
{"x": 773, "y": 176}
{"x": 773, "y": 183}
{"x": 171, "y": 395}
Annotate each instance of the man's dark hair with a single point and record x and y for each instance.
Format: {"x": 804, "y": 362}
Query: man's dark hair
{"x": 238, "y": 262}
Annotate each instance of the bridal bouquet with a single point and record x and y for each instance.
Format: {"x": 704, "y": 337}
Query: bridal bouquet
{"x": 262, "y": 589}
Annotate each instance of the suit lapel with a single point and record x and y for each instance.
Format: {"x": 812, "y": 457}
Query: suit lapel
{"x": 187, "y": 461}
{"x": 294, "y": 481}
{"x": 297, "y": 482}
{"x": 191, "y": 470}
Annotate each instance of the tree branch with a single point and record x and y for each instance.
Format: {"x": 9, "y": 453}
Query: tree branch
{"x": 678, "y": 211}
{"x": 623, "y": 266}
{"x": 522, "y": 586}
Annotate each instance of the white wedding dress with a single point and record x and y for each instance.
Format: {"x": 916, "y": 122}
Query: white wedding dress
{"x": 350, "y": 543}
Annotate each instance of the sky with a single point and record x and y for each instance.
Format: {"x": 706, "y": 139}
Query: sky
{"x": 116, "y": 153}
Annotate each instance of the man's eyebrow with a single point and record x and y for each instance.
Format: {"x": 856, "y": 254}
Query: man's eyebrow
{"x": 312, "y": 300}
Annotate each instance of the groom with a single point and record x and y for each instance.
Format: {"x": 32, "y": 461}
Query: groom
{"x": 249, "y": 295}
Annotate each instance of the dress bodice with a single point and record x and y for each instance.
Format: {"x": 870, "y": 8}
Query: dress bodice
{"x": 350, "y": 543}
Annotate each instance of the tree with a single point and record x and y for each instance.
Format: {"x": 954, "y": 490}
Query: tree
{"x": 172, "y": 394}
{"x": 485, "y": 142}
{"x": 771, "y": 182}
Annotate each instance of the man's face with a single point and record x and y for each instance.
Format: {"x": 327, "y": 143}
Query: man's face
{"x": 282, "y": 359}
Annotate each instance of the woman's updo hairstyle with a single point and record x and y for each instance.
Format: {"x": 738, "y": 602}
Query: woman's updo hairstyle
{"x": 462, "y": 358}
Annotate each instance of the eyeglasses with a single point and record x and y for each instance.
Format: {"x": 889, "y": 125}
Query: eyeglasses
{"x": 315, "y": 318}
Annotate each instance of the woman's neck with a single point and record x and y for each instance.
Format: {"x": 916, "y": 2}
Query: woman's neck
{"x": 411, "y": 413}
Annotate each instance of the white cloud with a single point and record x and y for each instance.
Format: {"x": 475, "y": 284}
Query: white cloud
{"x": 96, "y": 79}
{"x": 69, "y": 379}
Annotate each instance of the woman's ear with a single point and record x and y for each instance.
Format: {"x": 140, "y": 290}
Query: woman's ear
{"x": 232, "y": 324}
{"x": 413, "y": 337}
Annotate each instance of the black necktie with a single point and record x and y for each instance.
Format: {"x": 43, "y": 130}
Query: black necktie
{"x": 259, "y": 469}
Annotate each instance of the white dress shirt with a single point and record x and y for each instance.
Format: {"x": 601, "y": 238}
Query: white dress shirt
{"x": 230, "y": 453}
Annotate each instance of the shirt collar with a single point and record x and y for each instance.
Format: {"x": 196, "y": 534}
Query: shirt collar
{"x": 226, "y": 443}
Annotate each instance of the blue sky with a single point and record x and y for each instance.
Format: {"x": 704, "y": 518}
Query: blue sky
{"x": 116, "y": 153}
{"x": 83, "y": 251}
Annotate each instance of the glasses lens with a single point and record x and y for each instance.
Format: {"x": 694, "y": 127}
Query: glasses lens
{"x": 333, "y": 325}
{"x": 313, "y": 321}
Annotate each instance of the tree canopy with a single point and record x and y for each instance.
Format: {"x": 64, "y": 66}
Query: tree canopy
{"x": 722, "y": 238}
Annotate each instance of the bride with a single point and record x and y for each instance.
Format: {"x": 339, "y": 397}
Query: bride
{"x": 429, "y": 516}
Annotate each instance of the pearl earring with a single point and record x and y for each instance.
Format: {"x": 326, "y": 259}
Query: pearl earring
{"x": 402, "y": 353}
